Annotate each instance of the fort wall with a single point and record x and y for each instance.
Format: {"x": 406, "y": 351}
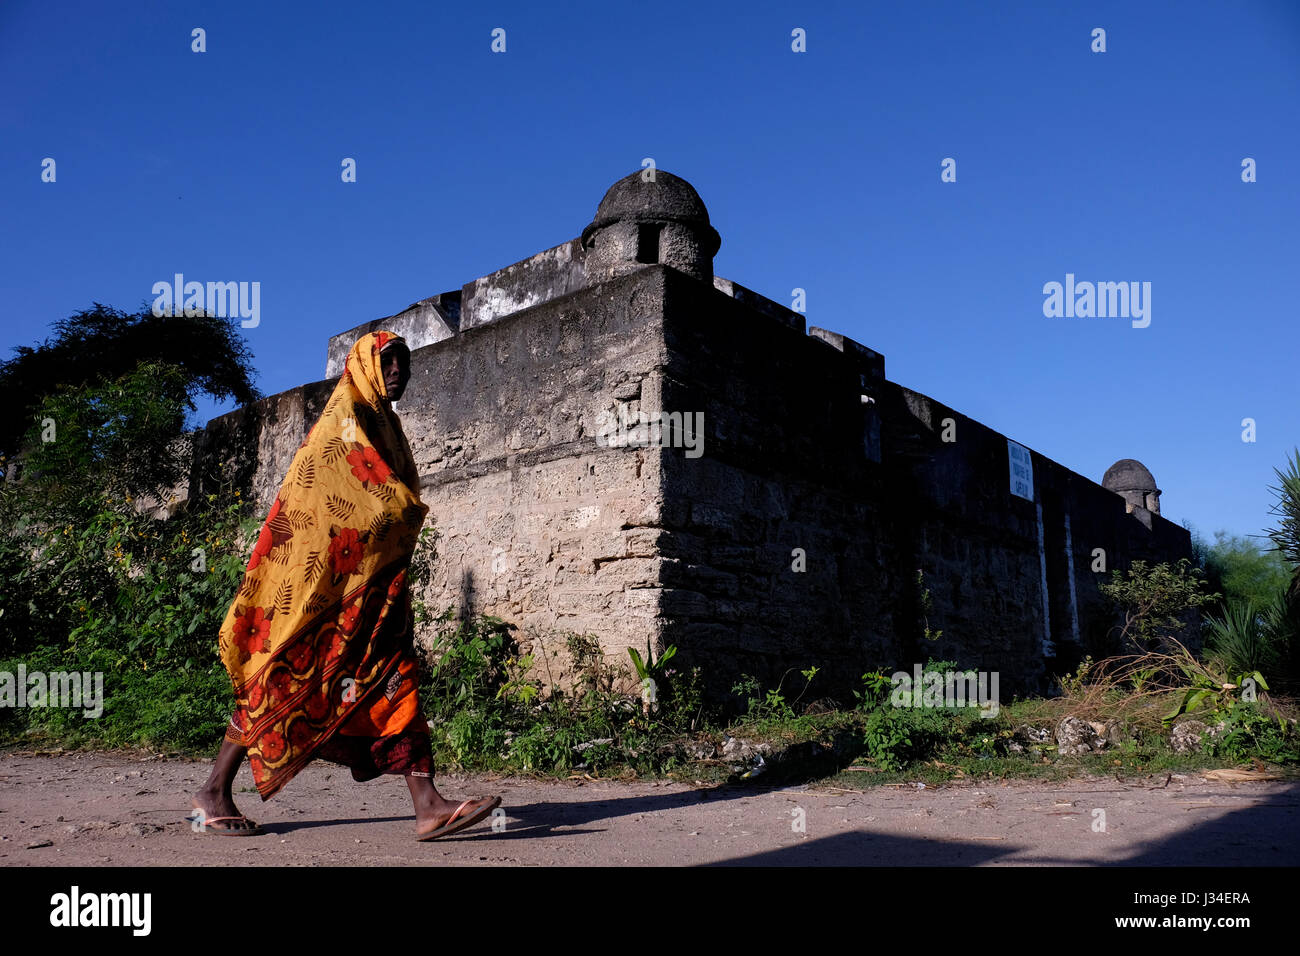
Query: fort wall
{"x": 830, "y": 517}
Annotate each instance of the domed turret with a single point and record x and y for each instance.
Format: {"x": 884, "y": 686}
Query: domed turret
{"x": 642, "y": 221}
{"x": 1130, "y": 478}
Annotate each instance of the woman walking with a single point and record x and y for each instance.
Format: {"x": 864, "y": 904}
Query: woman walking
{"x": 318, "y": 641}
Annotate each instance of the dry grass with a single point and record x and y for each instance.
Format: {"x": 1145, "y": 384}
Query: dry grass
{"x": 1139, "y": 690}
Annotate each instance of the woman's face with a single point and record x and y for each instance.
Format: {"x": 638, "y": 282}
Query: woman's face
{"x": 396, "y": 365}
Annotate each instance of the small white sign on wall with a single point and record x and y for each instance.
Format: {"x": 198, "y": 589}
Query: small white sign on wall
{"x": 1022, "y": 470}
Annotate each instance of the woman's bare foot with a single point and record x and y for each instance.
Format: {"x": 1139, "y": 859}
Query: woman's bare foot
{"x": 214, "y": 799}
{"x": 433, "y": 811}
{"x": 214, "y": 805}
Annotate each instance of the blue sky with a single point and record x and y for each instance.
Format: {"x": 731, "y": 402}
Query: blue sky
{"x": 821, "y": 170}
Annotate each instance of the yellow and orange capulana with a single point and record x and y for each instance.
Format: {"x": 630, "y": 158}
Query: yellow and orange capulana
{"x": 318, "y": 641}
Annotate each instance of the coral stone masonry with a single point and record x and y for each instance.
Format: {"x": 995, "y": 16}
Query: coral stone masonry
{"x": 822, "y": 514}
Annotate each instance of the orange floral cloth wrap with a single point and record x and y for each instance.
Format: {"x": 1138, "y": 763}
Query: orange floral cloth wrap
{"x": 318, "y": 641}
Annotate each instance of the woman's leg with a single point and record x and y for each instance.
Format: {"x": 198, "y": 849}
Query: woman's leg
{"x": 215, "y": 798}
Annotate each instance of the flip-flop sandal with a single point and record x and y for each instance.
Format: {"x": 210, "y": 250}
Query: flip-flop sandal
{"x": 457, "y": 822}
{"x": 206, "y": 826}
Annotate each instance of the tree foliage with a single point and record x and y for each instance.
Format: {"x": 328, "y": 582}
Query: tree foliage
{"x": 105, "y": 442}
{"x": 1286, "y": 536}
{"x": 1241, "y": 569}
{"x": 102, "y": 344}
{"x": 103, "y": 424}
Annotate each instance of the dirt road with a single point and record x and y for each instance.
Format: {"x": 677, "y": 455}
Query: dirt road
{"x": 111, "y": 809}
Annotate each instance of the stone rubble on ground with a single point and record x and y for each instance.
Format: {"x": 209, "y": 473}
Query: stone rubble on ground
{"x": 1191, "y": 735}
{"x": 1076, "y": 736}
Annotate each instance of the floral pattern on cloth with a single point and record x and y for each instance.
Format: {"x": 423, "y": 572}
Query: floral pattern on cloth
{"x": 318, "y": 640}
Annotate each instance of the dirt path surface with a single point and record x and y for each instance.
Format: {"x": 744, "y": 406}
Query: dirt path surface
{"x": 93, "y": 809}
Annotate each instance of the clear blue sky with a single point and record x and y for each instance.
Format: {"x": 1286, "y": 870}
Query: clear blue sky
{"x": 821, "y": 170}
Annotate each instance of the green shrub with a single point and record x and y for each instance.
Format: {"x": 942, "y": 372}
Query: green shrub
{"x": 488, "y": 707}
{"x": 770, "y": 705}
{"x": 1250, "y": 732}
{"x": 1243, "y": 640}
{"x": 897, "y": 736}
{"x": 1153, "y": 599}
{"x": 157, "y": 708}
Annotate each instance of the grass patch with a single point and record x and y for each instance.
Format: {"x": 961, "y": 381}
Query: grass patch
{"x": 170, "y": 710}
{"x": 494, "y": 708}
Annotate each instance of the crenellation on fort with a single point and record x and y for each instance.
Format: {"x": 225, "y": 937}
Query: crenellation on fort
{"x": 760, "y": 303}
{"x": 869, "y": 366}
{"x": 548, "y": 275}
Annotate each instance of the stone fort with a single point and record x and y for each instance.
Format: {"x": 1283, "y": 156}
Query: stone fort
{"x": 615, "y": 441}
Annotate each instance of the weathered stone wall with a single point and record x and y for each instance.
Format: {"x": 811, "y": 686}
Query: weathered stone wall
{"x": 546, "y": 276}
{"x": 784, "y": 467}
{"x": 807, "y": 446}
{"x": 250, "y": 448}
{"x": 810, "y": 459}
{"x": 1003, "y": 601}
{"x": 541, "y": 524}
